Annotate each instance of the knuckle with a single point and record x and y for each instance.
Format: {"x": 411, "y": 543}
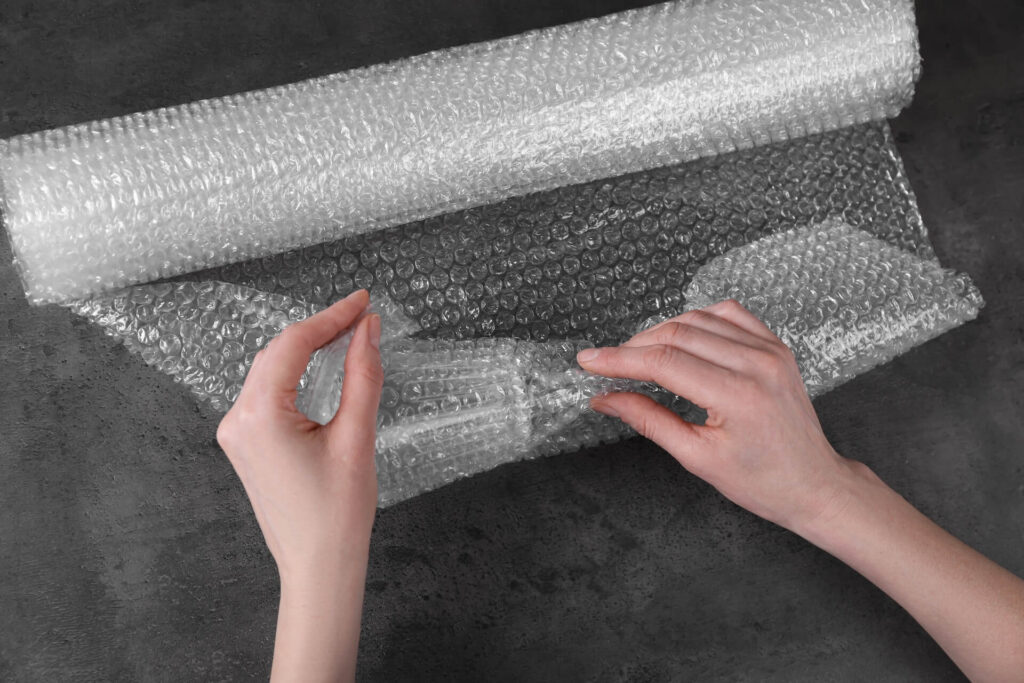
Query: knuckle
{"x": 372, "y": 373}
{"x": 680, "y": 333}
{"x": 786, "y": 352}
{"x": 245, "y": 418}
{"x": 647, "y": 427}
{"x": 775, "y": 364}
{"x": 746, "y": 385}
{"x": 734, "y": 305}
{"x": 226, "y": 431}
{"x": 656, "y": 358}
{"x": 696, "y": 314}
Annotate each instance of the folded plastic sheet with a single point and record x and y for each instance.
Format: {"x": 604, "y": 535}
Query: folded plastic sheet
{"x": 843, "y": 300}
{"x": 151, "y": 195}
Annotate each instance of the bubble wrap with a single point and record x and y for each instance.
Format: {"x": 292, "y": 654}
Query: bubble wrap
{"x": 591, "y": 261}
{"x": 206, "y": 334}
{"x": 448, "y": 408}
{"x": 843, "y": 300}
{"x": 150, "y": 195}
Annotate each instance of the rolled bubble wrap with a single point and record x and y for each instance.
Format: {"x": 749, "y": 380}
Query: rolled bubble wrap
{"x": 151, "y": 195}
{"x": 843, "y": 300}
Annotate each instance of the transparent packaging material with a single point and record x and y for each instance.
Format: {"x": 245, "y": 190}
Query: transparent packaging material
{"x": 102, "y": 205}
{"x": 842, "y": 299}
{"x": 206, "y": 334}
{"x": 508, "y": 204}
{"x": 451, "y": 408}
{"x": 590, "y": 261}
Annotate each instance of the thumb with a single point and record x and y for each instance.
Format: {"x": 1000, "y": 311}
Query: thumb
{"x": 355, "y": 424}
{"x": 683, "y": 440}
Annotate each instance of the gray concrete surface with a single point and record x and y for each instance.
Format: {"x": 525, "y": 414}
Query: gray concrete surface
{"x": 127, "y": 548}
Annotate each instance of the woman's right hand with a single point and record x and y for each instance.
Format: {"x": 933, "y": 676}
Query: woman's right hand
{"x": 763, "y": 448}
{"x": 762, "y": 445}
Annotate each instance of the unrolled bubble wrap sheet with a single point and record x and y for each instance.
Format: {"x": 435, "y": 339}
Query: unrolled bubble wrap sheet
{"x": 136, "y": 198}
{"x": 591, "y": 261}
{"x": 206, "y": 334}
{"x": 843, "y": 300}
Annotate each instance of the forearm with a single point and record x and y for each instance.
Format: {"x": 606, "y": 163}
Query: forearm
{"x": 971, "y": 606}
{"x": 318, "y": 624}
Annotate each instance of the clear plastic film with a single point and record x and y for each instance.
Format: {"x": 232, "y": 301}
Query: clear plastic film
{"x": 103, "y": 205}
{"x": 842, "y": 299}
{"x": 590, "y": 261}
{"x": 206, "y": 334}
{"x": 592, "y": 176}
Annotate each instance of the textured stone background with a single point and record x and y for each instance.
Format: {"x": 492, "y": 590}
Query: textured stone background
{"x": 128, "y": 550}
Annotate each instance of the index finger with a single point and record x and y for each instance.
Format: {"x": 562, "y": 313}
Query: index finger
{"x": 701, "y": 318}
{"x": 682, "y": 373}
{"x": 738, "y": 315}
{"x": 286, "y": 357}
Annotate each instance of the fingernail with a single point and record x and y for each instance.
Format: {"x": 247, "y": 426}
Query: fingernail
{"x": 587, "y": 355}
{"x": 604, "y": 409}
{"x": 374, "y": 330}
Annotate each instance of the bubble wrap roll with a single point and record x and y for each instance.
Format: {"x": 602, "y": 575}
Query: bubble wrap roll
{"x": 843, "y": 300}
{"x": 136, "y": 198}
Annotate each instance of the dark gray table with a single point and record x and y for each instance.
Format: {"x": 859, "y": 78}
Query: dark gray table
{"x": 127, "y": 547}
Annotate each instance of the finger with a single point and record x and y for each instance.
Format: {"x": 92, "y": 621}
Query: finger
{"x": 734, "y": 312}
{"x": 662, "y": 333}
{"x": 355, "y": 423}
{"x": 710, "y": 346}
{"x": 244, "y": 396}
{"x": 286, "y": 357}
{"x": 683, "y": 440}
{"x": 680, "y": 372}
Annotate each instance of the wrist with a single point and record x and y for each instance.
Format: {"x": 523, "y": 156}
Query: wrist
{"x": 323, "y": 571}
{"x": 852, "y": 489}
{"x": 318, "y": 621}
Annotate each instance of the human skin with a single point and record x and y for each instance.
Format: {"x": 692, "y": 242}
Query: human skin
{"x": 762, "y": 447}
{"x": 314, "y": 488}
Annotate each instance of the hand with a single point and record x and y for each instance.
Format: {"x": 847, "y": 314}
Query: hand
{"x": 313, "y": 488}
{"x": 762, "y": 446}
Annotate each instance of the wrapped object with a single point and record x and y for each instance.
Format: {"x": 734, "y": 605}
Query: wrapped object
{"x": 842, "y": 299}
{"x": 136, "y": 198}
